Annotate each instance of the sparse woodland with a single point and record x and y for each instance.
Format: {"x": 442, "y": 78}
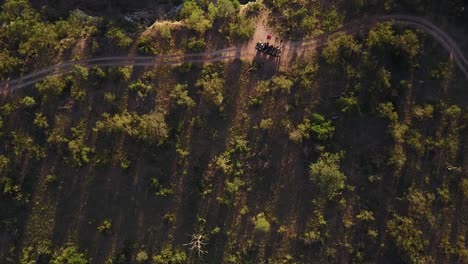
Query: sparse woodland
{"x": 355, "y": 153}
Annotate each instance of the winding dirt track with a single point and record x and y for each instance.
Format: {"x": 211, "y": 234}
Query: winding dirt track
{"x": 447, "y": 42}
{"x": 247, "y": 52}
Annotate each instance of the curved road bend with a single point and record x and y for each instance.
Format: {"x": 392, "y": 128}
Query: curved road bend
{"x": 224, "y": 54}
{"x": 445, "y": 40}
{"x": 415, "y": 22}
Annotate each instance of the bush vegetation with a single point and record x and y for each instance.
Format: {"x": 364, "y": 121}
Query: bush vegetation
{"x": 243, "y": 180}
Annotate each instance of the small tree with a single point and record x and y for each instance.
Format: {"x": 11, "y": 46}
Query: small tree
{"x": 261, "y": 223}
{"x": 388, "y": 110}
{"x": 213, "y": 88}
{"x": 52, "y": 86}
{"x": 181, "y": 96}
{"x": 142, "y": 256}
{"x": 227, "y": 8}
{"x": 282, "y": 83}
{"x": 321, "y": 128}
{"x": 68, "y": 254}
{"x": 171, "y": 255}
{"x": 196, "y": 44}
{"x": 266, "y": 124}
{"x": 145, "y": 46}
{"x": 141, "y": 88}
{"x": 326, "y": 174}
{"x": 105, "y": 227}
{"x": 27, "y": 102}
{"x": 41, "y": 121}
{"x": 407, "y": 237}
{"x": 8, "y": 63}
{"x": 119, "y": 37}
{"x": 153, "y": 128}
{"x": 194, "y": 17}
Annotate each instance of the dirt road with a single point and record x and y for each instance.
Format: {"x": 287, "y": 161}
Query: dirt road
{"x": 443, "y": 38}
{"x": 246, "y": 51}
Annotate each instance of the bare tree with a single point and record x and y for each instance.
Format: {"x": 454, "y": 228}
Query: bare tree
{"x": 197, "y": 243}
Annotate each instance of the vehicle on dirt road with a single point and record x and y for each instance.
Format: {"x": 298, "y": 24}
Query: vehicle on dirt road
{"x": 268, "y": 49}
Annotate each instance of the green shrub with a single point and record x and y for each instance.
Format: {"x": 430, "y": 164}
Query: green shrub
{"x": 387, "y": 110}
{"x": 227, "y": 8}
{"x": 254, "y": 8}
{"x": 124, "y": 73}
{"x": 241, "y": 29}
{"x": 41, "y": 121}
{"x": 194, "y": 17}
{"x": 420, "y": 205}
{"x": 416, "y": 142}
{"x": 261, "y": 223}
{"x": 140, "y": 87}
{"x": 27, "y": 102}
{"x": 77, "y": 147}
{"x": 50, "y": 179}
{"x": 52, "y": 86}
{"x": 423, "y": 112}
{"x": 8, "y": 63}
{"x": 145, "y": 46}
{"x": 68, "y": 254}
{"x": 150, "y": 128}
{"x": 169, "y": 218}
{"x": 118, "y": 36}
{"x": 153, "y": 128}
{"x": 234, "y": 186}
{"x": 79, "y": 152}
{"x": 349, "y": 103}
{"x": 196, "y": 45}
{"x": 171, "y": 255}
{"x": 41, "y": 250}
{"x": 365, "y": 215}
{"x": 164, "y": 32}
{"x": 109, "y": 97}
{"x": 24, "y": 144}
{"x": 331, "y": 20}
{"x": 266, "y": 123}
{"x": 326, "y": 174}
{"x": 319, "y": 127}
{"x": 213, "y": 88}
{"x": 80, "y": 72}
{"x": 407, "y": 237}
{"x": 105, "y": 227}
{"x": 142, "y": 256}
{"x": 97, "y": 75}
{"x": 341, "y": 50}
{"x": 181, "y": 96}
{"x": 282, "y": 82}
{"x": 159, "y": 189}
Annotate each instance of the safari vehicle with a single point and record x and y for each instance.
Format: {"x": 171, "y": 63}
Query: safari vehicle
{"x": 268, "y": 49}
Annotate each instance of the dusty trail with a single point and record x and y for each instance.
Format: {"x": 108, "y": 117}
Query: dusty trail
{"x": 118, "y": 61}
{"x": 246, "y": 51}
{"x": 112, "y": 60}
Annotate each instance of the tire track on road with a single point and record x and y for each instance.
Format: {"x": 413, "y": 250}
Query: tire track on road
{"x": 66, "y": 67}
{"x": 125, "y": 63}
